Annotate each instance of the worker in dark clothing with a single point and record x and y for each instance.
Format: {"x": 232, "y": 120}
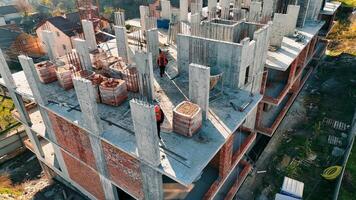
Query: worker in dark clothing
{"x": 162, "y": 62}
{"x": 159, "y": 119}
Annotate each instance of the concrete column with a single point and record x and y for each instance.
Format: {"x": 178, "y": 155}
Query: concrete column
{"x": 195, "y": 24}
{"x": 152, "y": 183}
{"x": 292, "y": 12}
{"x": 267, "y": 10}
{"x": 49, "y": 41}
{"x": 278, "y": 29}
{"x": 153, "y": 44}
{"x": 91, "y": 121}
{"x": 196, "y": 6}
{"x": 144, "y": 121}
{"x": 122, "y": 42}
{"x": 225, "y": 9}
{"x": 212, "y": 8}
{"x": 41, "y": 99}
{"x": 255, "y": 12}
{"x": 24, "y": 117}
{"x": 89, "y": 33}
{"x": 82, "y": 49}
{"x": 183, "y": 7}
{"x": 119, "y": 18}
{"x": 166, "y": 9}
{"x": 199, "y": 86}
{"x": 145, "y": 68}
{"x": 144, "y": 13}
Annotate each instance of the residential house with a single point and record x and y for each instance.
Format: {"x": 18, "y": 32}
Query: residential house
{"x": 9, "y": 14}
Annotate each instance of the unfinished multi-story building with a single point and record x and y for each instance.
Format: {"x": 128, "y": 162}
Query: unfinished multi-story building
{"x": 92, "y": 120}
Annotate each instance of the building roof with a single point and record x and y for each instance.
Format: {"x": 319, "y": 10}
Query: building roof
{"x": 74, "y": 17}
{"x": 8, "y": 33}
{"x": 5, "y": 10}
{"x": 65, "y": 25}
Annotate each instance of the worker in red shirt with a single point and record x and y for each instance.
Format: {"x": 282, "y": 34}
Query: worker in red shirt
{"x": 159, "y": 119}
{"x": 162, "y": 62}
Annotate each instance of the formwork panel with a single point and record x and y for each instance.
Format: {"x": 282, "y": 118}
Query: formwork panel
{"x": 84, "y": 176}
{"x": 73, "y": 139}
{"x": 124, "y": 170}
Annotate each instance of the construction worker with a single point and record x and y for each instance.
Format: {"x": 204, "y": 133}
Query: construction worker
{"x": 162, "y": 62}
{"x": 159, "y": 119}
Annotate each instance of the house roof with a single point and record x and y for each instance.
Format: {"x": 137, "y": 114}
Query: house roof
{"x": 67, "y": 26}
{"x": 5, "y": 10}
{"x": 8, "y": 33}
{"x": 74, "y": 17}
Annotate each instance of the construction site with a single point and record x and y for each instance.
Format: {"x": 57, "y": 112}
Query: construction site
{"x": 234, "y": 70}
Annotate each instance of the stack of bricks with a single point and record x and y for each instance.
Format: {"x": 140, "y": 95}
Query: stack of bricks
{"x": 64, "y": 76}
{"x": 130, "y": 75}
{"x": 187, "y": 119}
{"x": 46, "y": 72}
{"x": 107, "y": 62}
{"x": 113, "y": 92}
{"x": 96, "y": 80}
{"x": 98, "y": 56}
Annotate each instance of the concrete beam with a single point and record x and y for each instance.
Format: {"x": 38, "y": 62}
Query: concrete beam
{"x": 145, "y": 68}
{"x": 183, "y": 7}
{"x": 152, "y": 183}
{"x": 153, "y": 44}
{"x": 199, "y": 86}
{"x": 122, "y": 42}
{"x": 89, "y": 33}
{"x": 119, "y": 18}
{"x": 166, "y": 9}
{"x": 82, "y": 49}
{"x": 49, "y": 41}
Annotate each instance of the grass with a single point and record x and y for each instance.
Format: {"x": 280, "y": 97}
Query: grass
{"x": 6, "y": 118}
{"x": 6, "y": 187}
{"x": 349, "y": 3}
{"x": 343, "y": 34}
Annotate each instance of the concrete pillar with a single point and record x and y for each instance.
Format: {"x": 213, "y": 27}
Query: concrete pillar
{"x": 278, "y": 29}
{"x": 48, "y": 40}
{"x": 144, "y": 13}
{"x": 292, "y": 12}
{"x": 196, "y": 6}
{"x": 145, "y": 68}
{"x": 304, "y": 5}
{"x": 199, "y": 86}
{"x": 82, "y": 49}
{"x": 119, "y": 18}
{"x": 152, "y": 183}
{"x": 183, "y": 7}
{"x": 166, "y": 9}
{"x": 122, "y": 42}
{"x": 255, "y": 12}
{"x": 212, "y": 8}
{"x": 144, "y": 122}
{"x": 89, "y": 33}
{"x": 18, "y": 102}
{"x": 195, "y": 24}
{"x": 225, "y": 9}
{"x": 267, "y": 10}
{"x": 41, "y": 99}
{"x": 226, "y": 157}
{"x": 314, "y": 9}
{"x": 91, "y": 121}
{"x": 153, "y": 44}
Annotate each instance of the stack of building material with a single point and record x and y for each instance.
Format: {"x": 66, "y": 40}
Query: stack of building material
{"x": 187, "y": 118}
{"x": 116, "y": 70}
{"x": 106, "y": 62}
{"x": 98, "y": 56}
{"x": 46, "y": 72}
{"x": 96, "y": 80}
{"x": 113, "y": 92}
{"x": 64, "y": 76}
{"x": 130, "y": 75}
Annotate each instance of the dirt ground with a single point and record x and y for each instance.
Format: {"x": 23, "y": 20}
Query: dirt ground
{"x": 28, "y": 181}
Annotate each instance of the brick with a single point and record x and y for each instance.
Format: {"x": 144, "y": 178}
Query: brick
{"x": 124, "y": 170}
{"x": 73, "y": 139}
{"x": 226, "y": 157}
{"x": 84, "y": 176}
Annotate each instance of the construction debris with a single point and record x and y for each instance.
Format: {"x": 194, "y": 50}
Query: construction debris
{"x": 187, "y": 118}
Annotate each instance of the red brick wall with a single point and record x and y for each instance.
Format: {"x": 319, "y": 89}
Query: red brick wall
{"x": 84, "y": 176}
{"x": 73, "y": 139}
{"x": 124, "y": 170}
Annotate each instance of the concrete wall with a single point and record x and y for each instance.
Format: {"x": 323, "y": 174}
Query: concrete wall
{"x": 230, "y": 58}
